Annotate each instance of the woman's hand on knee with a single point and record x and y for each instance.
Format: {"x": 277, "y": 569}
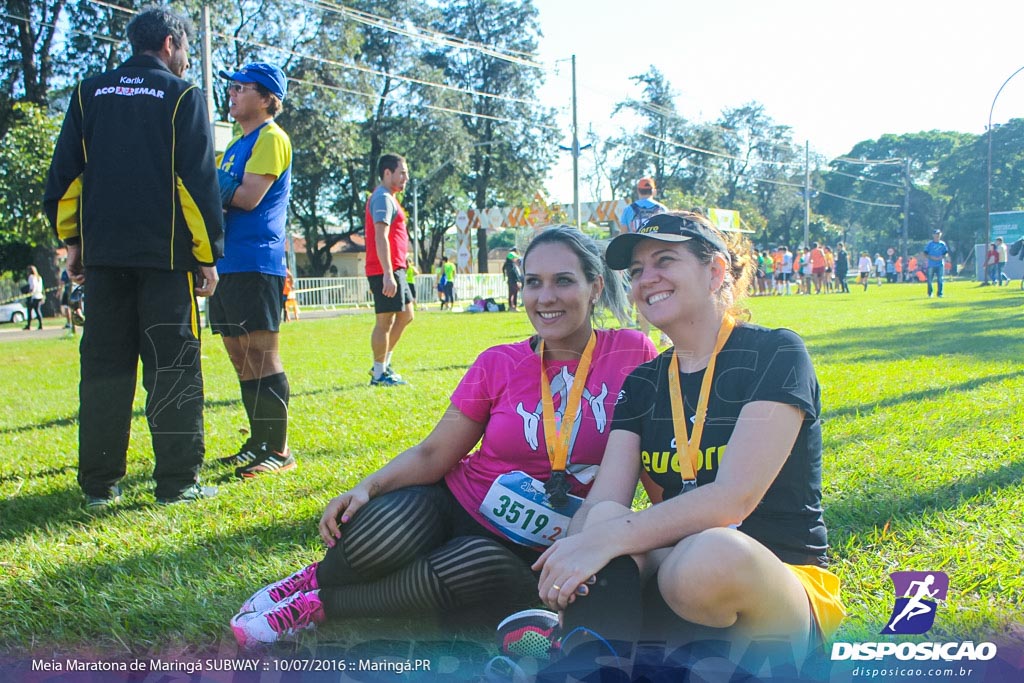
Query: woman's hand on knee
{"x": 567, "y": 568}
{"x": 341, "y": 509}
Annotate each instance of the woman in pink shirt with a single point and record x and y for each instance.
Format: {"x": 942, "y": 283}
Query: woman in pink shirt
{"x": 442, "y": 527}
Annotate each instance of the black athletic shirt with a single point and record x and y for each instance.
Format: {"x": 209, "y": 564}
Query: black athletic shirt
{"x": 756, "y": 364}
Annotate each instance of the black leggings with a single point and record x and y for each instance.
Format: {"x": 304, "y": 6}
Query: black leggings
{"x": 33, "y": 305}
{"x": 417, "y": 551}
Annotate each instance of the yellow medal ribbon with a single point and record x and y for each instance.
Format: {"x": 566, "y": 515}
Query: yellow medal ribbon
{"x": 558, "y": 439}
{"x": 688, "y": 465}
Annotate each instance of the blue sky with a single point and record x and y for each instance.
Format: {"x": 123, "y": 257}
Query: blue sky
{"x": 836, "y": 72}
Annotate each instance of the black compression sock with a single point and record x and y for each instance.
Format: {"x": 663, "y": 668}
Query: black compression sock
{"x": 250, "y": 389}
{"x": 613, "y": 606}
{"x": 270, "y": 414}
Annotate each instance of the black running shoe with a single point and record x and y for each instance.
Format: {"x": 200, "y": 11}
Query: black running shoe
{"x": 249, "y": 452}
{"x": 268, "y": 462}
{"x": 113, "y": 495}
{"x": 193, "y": 493}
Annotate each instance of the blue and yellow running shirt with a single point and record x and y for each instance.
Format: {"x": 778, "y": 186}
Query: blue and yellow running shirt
{"x": 254, "y": 241}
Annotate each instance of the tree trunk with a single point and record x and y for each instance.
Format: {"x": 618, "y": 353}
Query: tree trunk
{"x": 481, "y": 252}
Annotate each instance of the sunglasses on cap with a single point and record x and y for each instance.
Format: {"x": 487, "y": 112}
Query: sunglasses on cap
{"x": 665, "y": 227}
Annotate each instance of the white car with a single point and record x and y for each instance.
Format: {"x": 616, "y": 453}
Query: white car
{"x": 14, "y": 312}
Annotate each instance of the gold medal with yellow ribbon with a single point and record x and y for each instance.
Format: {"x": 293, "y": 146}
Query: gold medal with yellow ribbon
{"x": 557, "y": 440}
{"x": 688, "y": 465}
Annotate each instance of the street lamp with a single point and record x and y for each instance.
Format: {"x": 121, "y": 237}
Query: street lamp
{"x": 988, "y": 186}
{"x": 576, "y": 148}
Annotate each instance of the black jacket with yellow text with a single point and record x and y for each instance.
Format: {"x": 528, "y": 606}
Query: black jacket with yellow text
{"x": 133, "y": 174}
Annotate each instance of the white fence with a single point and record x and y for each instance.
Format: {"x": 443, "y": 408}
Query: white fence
{"x": 337, "y": 292}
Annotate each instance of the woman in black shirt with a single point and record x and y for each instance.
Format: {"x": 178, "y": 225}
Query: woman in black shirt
{"x": 734, "y": 538}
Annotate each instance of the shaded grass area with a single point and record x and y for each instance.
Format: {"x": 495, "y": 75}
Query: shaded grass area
{"x": 924, "y": 470}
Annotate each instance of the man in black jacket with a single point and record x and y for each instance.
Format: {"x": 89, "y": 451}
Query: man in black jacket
{"x": 132, "y": 190}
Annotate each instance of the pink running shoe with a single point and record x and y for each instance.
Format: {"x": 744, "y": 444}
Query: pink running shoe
{"x": 299, "y": 612}
{"x": 301, "y": 581}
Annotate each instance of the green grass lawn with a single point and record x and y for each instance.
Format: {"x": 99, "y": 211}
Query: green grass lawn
{"x": 924, "y": 470}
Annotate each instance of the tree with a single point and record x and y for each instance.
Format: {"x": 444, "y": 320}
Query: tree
{"x": 653, "y": 149}
{"x": 319, "y": 118}
{"x": 25, "y": 233}
{"x": 962, "y": 177}
{"x": 100, "y": 39}
{"x": 318, "y": 171}
{"x": 869, "y": 190}
{"x": 514, "y": 137}
{"x": 27, "y": 38}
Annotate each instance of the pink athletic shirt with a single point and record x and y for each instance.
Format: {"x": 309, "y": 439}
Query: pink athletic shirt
{"x": 502, "y": 390}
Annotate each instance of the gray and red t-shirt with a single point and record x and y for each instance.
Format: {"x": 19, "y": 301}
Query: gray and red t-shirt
{"x": 383, "y": 207}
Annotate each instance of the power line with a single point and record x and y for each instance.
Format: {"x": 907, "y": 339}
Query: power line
{"x": 720, "y": 154}
{"x": 867, "y": 180}
{"x": 665, "y": 112}
{"x": 690, "y": 162}
{"x": 704, "y": 151}
{"x": 514, "y": 56}
{"x": 779, "y": 182}
{"x": 375, "y": 96}
{"x": 37, "y": 22}
{"x": 867, "y": 162}
{"x": 353, "y": 67}
{"x": 860, "y": 201}
{"x": 297, "y": 80}
{"x": 373, "y": 72}
{"x": 393, "y": 27}
{"x": 126, "y": 10}
{"x": 767, "y": 180}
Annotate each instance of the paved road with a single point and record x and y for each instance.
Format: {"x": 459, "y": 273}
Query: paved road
{"x": 54, "y": 327}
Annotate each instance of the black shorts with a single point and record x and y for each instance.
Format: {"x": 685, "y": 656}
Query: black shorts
{"x": 412, "y": 290}
{"x": 246, "y": 302}
{"x": 390, "y": 304}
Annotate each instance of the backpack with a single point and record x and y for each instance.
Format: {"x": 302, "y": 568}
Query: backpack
{"x": 641, "y": 214}
{"x": 511, "y": 271}
{"x": 1017, "y": 248}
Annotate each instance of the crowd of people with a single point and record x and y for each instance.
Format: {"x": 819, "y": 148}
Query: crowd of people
{"x": 820, "y": 269}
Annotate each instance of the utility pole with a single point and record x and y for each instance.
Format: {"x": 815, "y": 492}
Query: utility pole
{"x": 906, "y": 208}
{"x": 416, "y": 224}
{"x": 575, "y": 152}
{"x": 807, "y": 194}
{"x": 207, "y": 63}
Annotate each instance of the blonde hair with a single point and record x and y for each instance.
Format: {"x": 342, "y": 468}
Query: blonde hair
{"x": 740, "y": 263}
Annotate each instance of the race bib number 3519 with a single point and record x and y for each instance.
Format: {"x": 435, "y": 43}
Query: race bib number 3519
{"x": 517, "y": 504}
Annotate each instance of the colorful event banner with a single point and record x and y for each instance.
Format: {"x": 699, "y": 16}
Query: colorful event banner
{"x": 540, "y": 214}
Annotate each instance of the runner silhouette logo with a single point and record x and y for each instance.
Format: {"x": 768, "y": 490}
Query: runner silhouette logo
{"x": 917, "y": 595}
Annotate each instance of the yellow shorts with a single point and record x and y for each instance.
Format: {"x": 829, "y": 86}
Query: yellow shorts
{"x": 822, "y": 588}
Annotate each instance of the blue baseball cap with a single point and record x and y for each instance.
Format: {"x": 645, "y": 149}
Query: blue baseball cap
{"x": 267, "y": 75}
